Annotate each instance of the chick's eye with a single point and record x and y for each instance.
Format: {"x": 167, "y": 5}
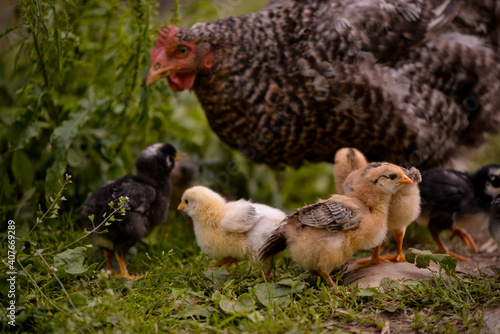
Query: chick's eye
{"x": 393, "y": 176}
{"x": 186, "y": 201}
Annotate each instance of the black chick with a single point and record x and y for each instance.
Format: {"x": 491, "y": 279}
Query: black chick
{"x": 148, "y": 195}
{"x": 449, "y": 197}
{"x": 494, "y": 223}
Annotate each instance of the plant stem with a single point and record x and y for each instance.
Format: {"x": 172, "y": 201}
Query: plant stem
{"x": 60, "y": 283}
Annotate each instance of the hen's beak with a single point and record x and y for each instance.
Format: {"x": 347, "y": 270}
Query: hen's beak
{"x": 405, "y": 180}
{"x": 181, "y": 207}
{"x": 155, "y": 75}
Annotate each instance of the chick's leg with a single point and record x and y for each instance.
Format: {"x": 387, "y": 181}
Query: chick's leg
{"x": 441, "y": 247}
{"x": 123, "y": 269}
{"x": 109, "y": 261}
{"x": 326, "y": 277}
{"x": 227, "y": 261}
{"x": 376, "y": 259}
{"x": 400, "y": 257}
{"x": 466, "y": 237}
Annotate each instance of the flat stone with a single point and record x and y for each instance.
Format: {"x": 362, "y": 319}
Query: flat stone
{"x": 492, "y": 320}
{"x": 371, "y": 276}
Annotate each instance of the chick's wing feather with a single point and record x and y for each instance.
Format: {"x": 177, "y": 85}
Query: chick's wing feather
{"x": 140, "y": 194}
{"x": 241, "y": 217}
{"x": 333, "y": 215}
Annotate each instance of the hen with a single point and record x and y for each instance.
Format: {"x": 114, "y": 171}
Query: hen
{"x": 413, "y": 82}
{"x": 148, "y": 193}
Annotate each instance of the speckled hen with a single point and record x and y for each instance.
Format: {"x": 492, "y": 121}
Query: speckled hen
{"x": 413, "y": 82}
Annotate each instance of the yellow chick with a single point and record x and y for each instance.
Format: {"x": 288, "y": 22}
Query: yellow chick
{"x": 404, "y": 207}
{"x": 323, "y": 235}
{"x": 233, "y": 230}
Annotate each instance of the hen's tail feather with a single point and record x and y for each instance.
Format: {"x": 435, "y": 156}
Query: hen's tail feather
{"x": 275, "y": 244}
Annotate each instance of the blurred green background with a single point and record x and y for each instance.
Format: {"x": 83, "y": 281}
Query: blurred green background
{"x": 73, "y": 101}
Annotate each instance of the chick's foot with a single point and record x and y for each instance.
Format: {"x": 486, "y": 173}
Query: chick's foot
{"x": 465, "y": 236}
{"x": 226, "y": 262}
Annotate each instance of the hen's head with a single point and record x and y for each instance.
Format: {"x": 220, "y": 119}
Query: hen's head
{"x": 177, "y": 60}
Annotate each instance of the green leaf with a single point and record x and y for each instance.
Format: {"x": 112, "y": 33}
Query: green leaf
{"x": 6, "y": 191}
{"x": 22, "y": 169}
{"x": 270, "y": 293}
{"x": 217, "y": 275}
{"x": 256, "y": 316}
{"x": 216, "y": 297}
{"x": 177, "y": 292}
{"x": 71, "y": 261}
{"x": 62, "y": 139}
{"x": 24, "y": 128}
{"x": 78, "y": 299}
{"x": 368, "y": 292}
{"x": 423, "y": 259}
{"x": 242, "y": 305}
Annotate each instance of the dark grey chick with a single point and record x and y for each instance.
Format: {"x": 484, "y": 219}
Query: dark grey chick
{"x": 494, "y": 223}
{"x": 148, "y": 193}
{"x": 449, "y": 197}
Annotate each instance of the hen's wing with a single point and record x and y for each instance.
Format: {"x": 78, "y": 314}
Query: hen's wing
{"x": 385, "y": 29}
{"x": 241, "y": 217}
{"x": 333, "y": 215}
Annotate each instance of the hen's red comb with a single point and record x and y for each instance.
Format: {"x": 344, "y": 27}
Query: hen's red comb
{"x": 165, "y": 34}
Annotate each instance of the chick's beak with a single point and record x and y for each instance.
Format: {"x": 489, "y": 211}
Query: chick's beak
{"x": 155, "y": 75}
{"x": 181, "y": 207}
{"x": 405, "y": 180}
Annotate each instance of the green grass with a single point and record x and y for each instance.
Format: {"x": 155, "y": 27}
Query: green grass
{"x": 181, "y": 293}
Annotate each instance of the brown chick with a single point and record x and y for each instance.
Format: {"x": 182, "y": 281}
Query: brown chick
{"x": 323, "y": 235}
{"x": 347, "y": 160}
{"x": 404, "y": 207}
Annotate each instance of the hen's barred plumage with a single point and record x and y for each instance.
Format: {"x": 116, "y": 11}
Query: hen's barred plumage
{"x": 405, "y": 81}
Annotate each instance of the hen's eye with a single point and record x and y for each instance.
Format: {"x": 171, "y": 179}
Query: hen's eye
{"x": 157, "y": 66}
{"x": 393, "y": 176}
{"x": 182, "y": 51}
